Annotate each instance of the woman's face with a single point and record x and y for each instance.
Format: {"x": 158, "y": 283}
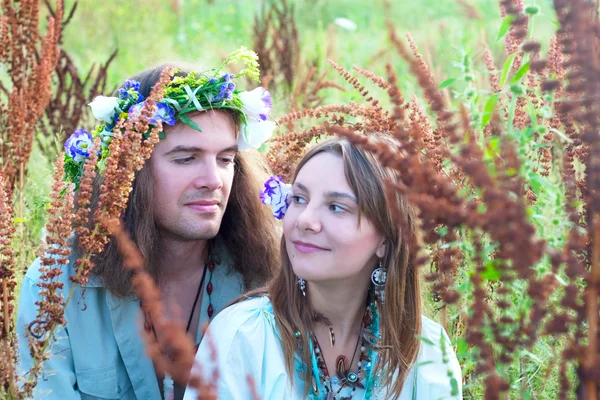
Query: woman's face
{"x": 325, "y": 239}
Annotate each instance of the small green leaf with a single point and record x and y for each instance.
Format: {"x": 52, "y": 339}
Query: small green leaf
{"x": 491, "y": 273}
{"x": 521, "y": 72}
{"x": 454, "y": 385}
{"x": 447, "y": 82}
{"x": 527, "y": 353}
{"x": 532, "y": 10}
{"x": 560, "y": 280}
{"x": 562, "y": 135}
{"x": 423, "y": 363}
{"x": 506, "y": 68}
{"x": 189, "y": 122}
{"x": 505, "y": 26}
{"x": 488, "y": 109}
{"x": 425, "y": 340}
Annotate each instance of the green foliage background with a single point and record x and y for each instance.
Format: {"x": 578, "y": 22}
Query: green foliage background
{"x": 197, "y": 31}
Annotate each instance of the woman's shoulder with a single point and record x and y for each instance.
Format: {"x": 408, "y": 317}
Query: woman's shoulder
{"x": 435, "y": 344}
{"x": 432, "y": 330}
{"x": 252, "y": 315}
{"x": 437, "y": 366}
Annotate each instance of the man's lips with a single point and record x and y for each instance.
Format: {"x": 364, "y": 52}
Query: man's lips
{"x": 204, "y": 206}
{"x": 305, "y": 247}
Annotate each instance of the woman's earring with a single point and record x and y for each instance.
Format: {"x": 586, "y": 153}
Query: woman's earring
{"x": 302, "y": 285}
{"x": 378, "y": 277}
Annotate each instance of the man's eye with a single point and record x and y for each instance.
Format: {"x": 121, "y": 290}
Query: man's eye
{"x": 227, "y": 160}
{"x": 184, "y": 160}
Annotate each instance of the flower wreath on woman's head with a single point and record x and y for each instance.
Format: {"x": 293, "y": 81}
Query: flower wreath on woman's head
{"x": 197, "y": 91}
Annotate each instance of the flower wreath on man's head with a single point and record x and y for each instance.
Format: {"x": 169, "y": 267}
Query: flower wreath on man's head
{"x": 197, "y": 91}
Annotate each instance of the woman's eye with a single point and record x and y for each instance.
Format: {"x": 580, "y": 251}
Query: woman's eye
{"x": 337, "y": 209}
{"x": 184, "y": 160}
{"x": 298, "y": 200}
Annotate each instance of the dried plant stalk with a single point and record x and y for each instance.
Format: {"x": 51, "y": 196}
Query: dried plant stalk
{"x": 30, "y": 64}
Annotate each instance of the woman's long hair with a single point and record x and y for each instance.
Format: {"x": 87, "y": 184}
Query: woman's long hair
{"x": 248, "y": 230}
{"x": 400, "y": 321}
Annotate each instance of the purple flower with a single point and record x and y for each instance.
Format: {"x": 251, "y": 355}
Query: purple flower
{"x": 79, "y": 145}
{"x": 225, "y": 91}
{"x": 227, "y": 77}
{"x": 276, "y": 193}
{"x": 163, "y": 113}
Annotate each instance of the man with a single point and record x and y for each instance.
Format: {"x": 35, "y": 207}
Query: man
{"x": 195, "y": 215}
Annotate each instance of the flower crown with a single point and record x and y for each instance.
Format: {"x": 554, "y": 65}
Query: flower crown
{"x": 198, "y": 91}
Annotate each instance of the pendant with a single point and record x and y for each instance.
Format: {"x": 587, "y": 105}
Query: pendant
{"x": 378, "y": 277}
{"x": 352, "y": 377}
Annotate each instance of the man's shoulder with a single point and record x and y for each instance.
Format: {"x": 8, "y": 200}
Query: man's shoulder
{"x": 34, "y": 274}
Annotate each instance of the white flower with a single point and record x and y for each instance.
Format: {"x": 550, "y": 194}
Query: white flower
{"x": 255, "y": 133}
{"x": 345, "y": 23}
{"x": 276, "y": 193}
{"x": 256, "y": 104}
{"x": 104, "y": 108}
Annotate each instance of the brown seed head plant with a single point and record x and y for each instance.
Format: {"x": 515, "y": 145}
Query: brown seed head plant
{"x": 8, "y": 340}
{"x": 71, "y": 92}
{"x": 507, "y": 280}
{"x": 284, "y": 69}
{"x": 54, "y": 257}
{"x": 173, "y": 350}
{"x": 30, "y": 60}
{"x": 128, "y": 153}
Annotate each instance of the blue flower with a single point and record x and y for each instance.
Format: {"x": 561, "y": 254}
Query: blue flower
{"x": 79, "y": 145}
{"x": 131, "y": 84}
{"x": 131, "y": 90}
{"x": 276, "y": 193}
{"x": 227, "y": 77}
{"x": 163, "y": 113}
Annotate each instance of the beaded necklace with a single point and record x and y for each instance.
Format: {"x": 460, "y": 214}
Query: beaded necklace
{"x": 209, "y": 265}
{"x": 322, "y": 385}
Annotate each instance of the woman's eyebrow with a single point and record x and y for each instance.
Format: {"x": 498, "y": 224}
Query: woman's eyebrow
{"x": 329, "y": 195}
{"x": 343, "y": 195}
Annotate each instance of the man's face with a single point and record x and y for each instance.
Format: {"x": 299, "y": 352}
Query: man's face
{"x": 192, "y": 173}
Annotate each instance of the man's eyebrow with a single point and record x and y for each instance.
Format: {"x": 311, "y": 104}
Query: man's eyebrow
{"x": 231, "y": 149}
{"x": 195, "y": 149}
{"x": 343, "y": 195}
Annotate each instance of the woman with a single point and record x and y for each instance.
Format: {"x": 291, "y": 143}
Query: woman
{"x": 342, "y": 319}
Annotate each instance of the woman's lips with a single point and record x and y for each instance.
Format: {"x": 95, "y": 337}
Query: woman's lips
{"x": 304, "y": 247}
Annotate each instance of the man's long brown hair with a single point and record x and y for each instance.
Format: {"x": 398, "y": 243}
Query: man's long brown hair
{"x": 400, "y": 315}
{"x": 248, "y": 229}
